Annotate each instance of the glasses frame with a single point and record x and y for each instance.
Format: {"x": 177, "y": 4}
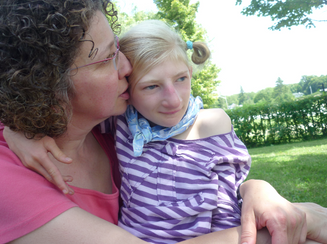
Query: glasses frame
{"x": 106, "y": 59}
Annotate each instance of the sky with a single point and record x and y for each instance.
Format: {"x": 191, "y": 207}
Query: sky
{"x": 248, "y": 53}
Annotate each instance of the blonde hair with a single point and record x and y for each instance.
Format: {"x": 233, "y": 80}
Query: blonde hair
{"x": 152, "y": 42}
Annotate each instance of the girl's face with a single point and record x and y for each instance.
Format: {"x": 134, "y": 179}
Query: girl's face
{"x": 100, "y": 90}
{"x": 162, "y": 95}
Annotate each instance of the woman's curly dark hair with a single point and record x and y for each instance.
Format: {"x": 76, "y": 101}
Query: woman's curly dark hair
{"x": 39, "y": 40}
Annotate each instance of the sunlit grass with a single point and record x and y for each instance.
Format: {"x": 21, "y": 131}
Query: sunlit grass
{"x": 297, "y": 170}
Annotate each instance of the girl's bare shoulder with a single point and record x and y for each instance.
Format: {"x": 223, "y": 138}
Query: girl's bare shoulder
{"x": 213, "y": 121}
{"x": 209, "y": 122}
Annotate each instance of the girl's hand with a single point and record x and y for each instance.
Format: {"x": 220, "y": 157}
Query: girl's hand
{"x": 34, "y": 156}
{"x": 264, "y": 207}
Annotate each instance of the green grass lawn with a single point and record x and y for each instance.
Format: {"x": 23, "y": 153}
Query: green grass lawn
{"x": 297, "y": 170}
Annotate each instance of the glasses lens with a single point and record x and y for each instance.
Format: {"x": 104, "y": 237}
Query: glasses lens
{"x": 115, "y": 59}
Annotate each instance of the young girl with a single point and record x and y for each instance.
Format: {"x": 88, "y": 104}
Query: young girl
{"x": 180, "y": 166}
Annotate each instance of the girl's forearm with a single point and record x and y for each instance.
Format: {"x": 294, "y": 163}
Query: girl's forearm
{"x": 233, "y": 236}
{"x": 229, "y": 236}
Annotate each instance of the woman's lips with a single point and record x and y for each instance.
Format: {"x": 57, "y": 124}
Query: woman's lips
{"x": 125, "y": 95}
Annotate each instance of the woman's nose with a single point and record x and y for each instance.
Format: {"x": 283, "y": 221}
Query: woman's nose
{"x": 124, "y": 66}
{"x": 172, "y": 98}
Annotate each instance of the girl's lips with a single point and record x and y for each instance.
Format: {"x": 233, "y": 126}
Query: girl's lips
{"x": 171, "y": 112}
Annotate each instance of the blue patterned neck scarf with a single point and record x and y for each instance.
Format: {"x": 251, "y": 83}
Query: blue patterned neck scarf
{"x": 143, "y": 133}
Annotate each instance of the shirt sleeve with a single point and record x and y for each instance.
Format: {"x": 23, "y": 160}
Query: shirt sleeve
{"x": 28, "y": 200}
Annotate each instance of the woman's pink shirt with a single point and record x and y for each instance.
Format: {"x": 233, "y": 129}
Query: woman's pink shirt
{"x": 28, "y": 201}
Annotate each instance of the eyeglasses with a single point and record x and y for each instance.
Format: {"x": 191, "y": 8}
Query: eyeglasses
{"x": 113, "y": 57}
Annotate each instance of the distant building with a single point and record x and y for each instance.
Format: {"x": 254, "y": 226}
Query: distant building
{"x": 298, "y": 94}
{"x": 232, "y": 106}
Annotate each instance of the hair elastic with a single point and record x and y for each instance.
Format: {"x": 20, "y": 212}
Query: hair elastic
{"x": 189, "y": 45}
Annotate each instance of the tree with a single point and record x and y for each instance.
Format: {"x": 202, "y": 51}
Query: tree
{"x": 264, "y": 95}
{"x": 232, "y": 99}
{"x": 281, "y": 92}
{"x": 311, "y": 84}
{"x": 126, "y": 21}
{"x": 248, "y": 101}
{"x": 221, "y": 102}
{"x": 241, "y": 97}
{"x": 286, "y": 13}
{"x": 181, "y": 15}
{"x": 204, "y": 84}
{"x": 295, "y": 88}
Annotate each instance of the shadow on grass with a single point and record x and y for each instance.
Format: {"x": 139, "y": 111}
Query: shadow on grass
{"x": 298, "y": 171}
{"x": 289, "y": 146}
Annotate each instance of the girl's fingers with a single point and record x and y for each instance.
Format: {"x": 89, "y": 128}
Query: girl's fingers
{"x": 56, "y": 177}
{"x": 52, "y": 147}
{"x": 67, "y": 178}
{"x": 52, "y": 174}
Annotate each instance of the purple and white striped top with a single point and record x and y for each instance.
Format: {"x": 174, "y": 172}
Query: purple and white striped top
{"x": 179, "y": 189}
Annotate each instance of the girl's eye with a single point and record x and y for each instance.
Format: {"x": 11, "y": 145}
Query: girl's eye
{"x": 150, "y": 87}
{"x": 182, "y": 78}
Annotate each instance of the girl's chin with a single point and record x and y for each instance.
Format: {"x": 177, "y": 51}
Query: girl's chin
{"x": 166, "y": 124}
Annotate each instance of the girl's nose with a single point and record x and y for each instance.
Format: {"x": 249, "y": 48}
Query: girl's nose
{"x": 172, "y": 98}
{"x": 124, "y": 66}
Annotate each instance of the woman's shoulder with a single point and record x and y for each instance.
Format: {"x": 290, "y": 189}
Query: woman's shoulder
{"x": 20, "y": 210}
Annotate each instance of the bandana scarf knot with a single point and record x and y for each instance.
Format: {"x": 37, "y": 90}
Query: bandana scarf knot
{"x": 143, "y": 133}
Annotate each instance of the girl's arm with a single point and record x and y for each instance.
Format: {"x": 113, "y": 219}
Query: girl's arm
{"x": 34, "y": 156}
{"x": 78, "y": 226}
{"x": 231, "y": 236}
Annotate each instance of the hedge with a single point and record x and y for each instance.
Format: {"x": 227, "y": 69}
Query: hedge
{"x": 266, "y": 124}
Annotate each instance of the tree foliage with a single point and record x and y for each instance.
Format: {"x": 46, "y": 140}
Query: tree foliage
{"x": 281, "y": 92}
{"x": 285, "y": 13}
{"x": 126, "y": 21}
{"x": 204, "y": 84}
{"x": 241, "y": 96}
{"x": 181, "y": 14}
{"x": 264, "y": 95}
{"x": 221, "y": 102}
{"x": 311, "y": 84}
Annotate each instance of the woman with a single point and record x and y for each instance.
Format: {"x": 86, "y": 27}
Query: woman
{"x": 61, "y": 75}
